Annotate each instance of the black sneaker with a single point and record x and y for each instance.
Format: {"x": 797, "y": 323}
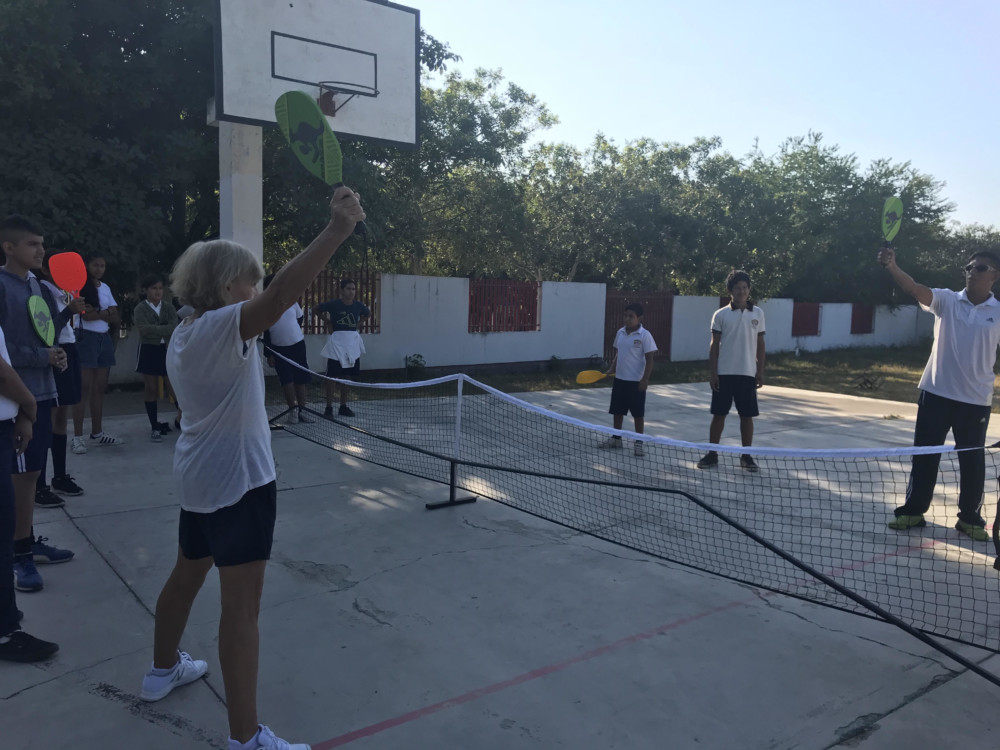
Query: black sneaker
{"x": 345, "y": 411}
{"x": 709, "y": 460}
{"x": 163, "y": 427}
{"x": 66, "y": 486}
{"x": 26, "y": 648}
{"x": 328, "y": 412}
{"x": 46, "y": 498}
{"x": 747, "y": 462}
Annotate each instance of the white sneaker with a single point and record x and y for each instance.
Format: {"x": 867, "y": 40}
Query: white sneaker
{"x": 639, "y": 449}
{"x": 79, "y": 445}
{"x": 612, "y": 443}
{"x": 156, "y": 436}
{"x": 292, "y": 417}
{"x": 155, "y": 687}
{"x": 267, "y": 741}
{"x": 104, "y": 440}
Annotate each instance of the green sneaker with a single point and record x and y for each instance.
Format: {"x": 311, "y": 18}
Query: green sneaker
{"x": 902, "y": 523}
{"x": 975, "y": 533}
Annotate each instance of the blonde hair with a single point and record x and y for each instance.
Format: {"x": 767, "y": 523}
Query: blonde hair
{"x": 205, "y": 269}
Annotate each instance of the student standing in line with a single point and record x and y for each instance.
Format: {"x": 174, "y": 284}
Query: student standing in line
{"x": 345, "y": 346}
{"x": 632, "y": 366}
{"x": 156, "y": 319}
{"x": 97, "y": 355}
{"x": 286, "y": 340}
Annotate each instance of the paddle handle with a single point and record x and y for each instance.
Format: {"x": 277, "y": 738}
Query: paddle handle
{"x": 360, "y": 228}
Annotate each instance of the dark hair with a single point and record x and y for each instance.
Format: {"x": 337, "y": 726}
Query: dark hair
{"x": 89, "y": 290}
{"x": 993, "y": 257}
{"x": 267, "y": 280}
{"x": 636, "y": 308}
{"x": 15, "y": 226}
{"x": 150, "y": 279}
{"x": 345, "y": 282}
{"x": 735, "y": 277}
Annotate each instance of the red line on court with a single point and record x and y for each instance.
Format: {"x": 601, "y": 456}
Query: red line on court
{"x": 534, "y": 674}
{"x": 519, "y": 679}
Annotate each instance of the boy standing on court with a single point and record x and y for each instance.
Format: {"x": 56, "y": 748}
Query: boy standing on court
{"x": 632, "y": 366}
{"x": 344, "y": 348}
{"x": 956, "y": 389}
{"x": 735, "y": 366}
{"x": 33, "y": 359}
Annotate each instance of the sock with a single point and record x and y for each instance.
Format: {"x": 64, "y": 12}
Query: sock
{"x": 40, "y": 483}
{"x": 151, "y": 413}
{"x": 23, "y": 546}
{"x": 97, "y": 436}
{"x": 58, "y": 455}
{"x": 251, "y": 745}
{"x": 162, "y": 672}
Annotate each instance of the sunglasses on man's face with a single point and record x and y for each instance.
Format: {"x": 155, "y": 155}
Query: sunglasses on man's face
{"x": 980, "y": 267}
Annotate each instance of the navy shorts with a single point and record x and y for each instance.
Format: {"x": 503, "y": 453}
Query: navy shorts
{"x": 234, "y": 535}
{"x": 96, "y": 349}
{"x": 336, "y": 370}
{"x": 287, "y": 372}
{"x": 37, "y": 453}
{"x": 741, "y": 389}
{"x": 68, "y": 382}
{"x": 152, "y": 359}
{"x": 626, "y": 397}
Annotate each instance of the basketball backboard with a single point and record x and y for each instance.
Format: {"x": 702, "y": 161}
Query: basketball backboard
{"x": 366, "y": 51}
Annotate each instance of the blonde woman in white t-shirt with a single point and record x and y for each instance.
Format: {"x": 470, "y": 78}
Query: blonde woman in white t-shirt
{"x": 223, "y": 465}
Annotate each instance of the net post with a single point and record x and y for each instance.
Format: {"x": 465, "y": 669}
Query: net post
{"x": 453, "y": 464}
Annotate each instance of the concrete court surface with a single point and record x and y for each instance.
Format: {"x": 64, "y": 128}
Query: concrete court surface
{"x": 387, "y": 626}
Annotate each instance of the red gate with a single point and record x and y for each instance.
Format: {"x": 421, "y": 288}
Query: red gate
{"x": 658, "y": 309}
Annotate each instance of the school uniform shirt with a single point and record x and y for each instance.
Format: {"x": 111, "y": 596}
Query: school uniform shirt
{"x": 632, "y": 350}
{"x": 224, "y": 449}
{"x": 287, "y": 330}
{"x": 66, "y": 334}
{"x": 738, "y": 344}
{"x": 156, "y": 323}
{"x": 8, "y": 408}
{"x": 105, "y": 300}
{"x": 966, "y": 337}
{"x": 28, "y": 353}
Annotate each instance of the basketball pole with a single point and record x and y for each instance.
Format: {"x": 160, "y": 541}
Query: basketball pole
{"x": 241, "y": 186}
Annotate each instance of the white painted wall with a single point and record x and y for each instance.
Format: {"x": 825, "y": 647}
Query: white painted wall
{"x": 429, "y": 315}
{"x": 893, "y": 327}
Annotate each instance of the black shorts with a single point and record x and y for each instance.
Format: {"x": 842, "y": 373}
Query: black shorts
{"x": 336, "y": 370}
{"x": 626, "y": 397}
{"x": 152, "y": 359}
{"x": 234, "y": 535}
{"x": 741, "y": 389}
{"x": 68, "y": 381}
{"x": 289, "y": 373}
{"x": 37, "y": 453}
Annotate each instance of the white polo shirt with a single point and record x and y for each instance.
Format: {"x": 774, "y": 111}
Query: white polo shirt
{"x": 632, "y": 350}
{"x": 966, "y": 337}
{"x": 287, "y": 330}
{"x": 8, "y": 408}
{"x": 738, "y": 346}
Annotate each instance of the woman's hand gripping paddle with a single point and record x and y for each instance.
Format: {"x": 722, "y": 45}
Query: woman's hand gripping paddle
{"x": 591, "y": 376}
{"x": 308, "y": 133}
{"x": 68, "y": 272}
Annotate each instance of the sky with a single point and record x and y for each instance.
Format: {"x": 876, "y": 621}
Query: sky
{"x": 912, "y": 82}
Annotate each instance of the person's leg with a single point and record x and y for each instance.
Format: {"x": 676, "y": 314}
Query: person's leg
{"x": 288, "y": 390}
{"x": 934, "y": 419}
{"x": 98, "y": 386}
{"x": 345, "y": 391}
{"x": 8, "y": 605}
{"x": 173, "y": 397}
{"x": 619, "y": 420}
{"x": 969, "y": 428}
{"x": 715, "y": 428}
{"x": 746, "y": 431}
{"x": 174, "y": 606}
{"x": 300, "y": 395}
{"x": 239, "y": 644}
{"x": 640, "y": 424}
{"x": 150, "y": 395}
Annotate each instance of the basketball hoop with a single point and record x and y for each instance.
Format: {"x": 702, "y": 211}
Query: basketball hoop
{"x": 330, "y": 90}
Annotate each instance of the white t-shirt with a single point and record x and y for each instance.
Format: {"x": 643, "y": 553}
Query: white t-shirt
{"x": 224, "y": 449}
{"x": 66, "y": 335}
{"x": 287, "y": 330}
{"x": 965, "y": 348}
{"x": 106, "y": 299}
{"x": 738, "y": 344}
{"x": 8, "y": 408}
{"x": 632, "y": 350}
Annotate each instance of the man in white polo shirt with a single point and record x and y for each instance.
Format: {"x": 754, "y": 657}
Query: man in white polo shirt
{"x": 956, "y": 389}
{"x": 632, "y": 366}
{"x": 735, "y": 366}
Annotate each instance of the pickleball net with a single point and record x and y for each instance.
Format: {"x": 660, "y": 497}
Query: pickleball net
{"x": 807, "y": 524}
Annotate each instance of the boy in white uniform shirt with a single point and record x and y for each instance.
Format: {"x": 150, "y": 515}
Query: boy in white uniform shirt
{"x": 632, "y": 366}
{"x": 736, "y": 366}
{"x": 285, "y": 338}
